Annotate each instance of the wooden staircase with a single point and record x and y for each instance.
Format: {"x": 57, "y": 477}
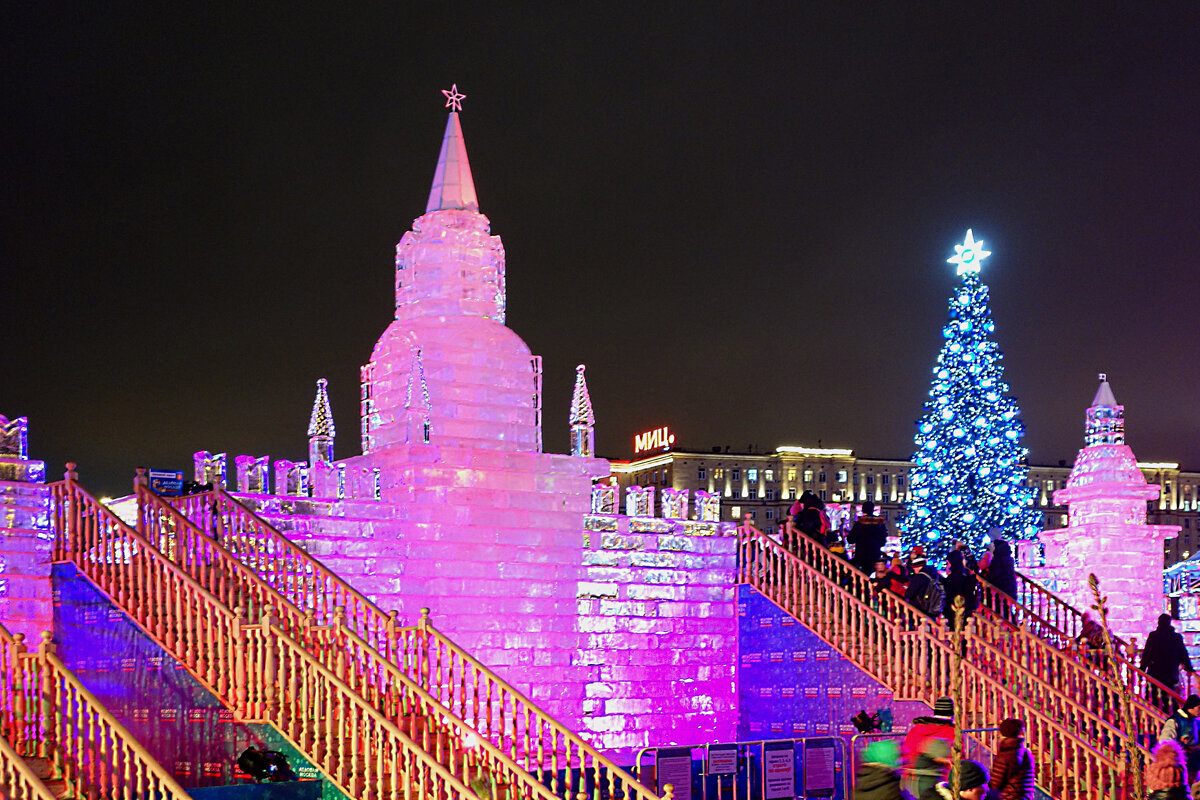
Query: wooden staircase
{"x": 1081, "y": 748}
{"x": 377, "y": 723}
{"x": 466, "y": 690}
{"x": 58, "y": 740}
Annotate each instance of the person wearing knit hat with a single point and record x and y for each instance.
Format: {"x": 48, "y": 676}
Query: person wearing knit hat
{"x": 925, "y": 752}
{"x": 1013, "y": 767}
{"x": 972, "y": 784}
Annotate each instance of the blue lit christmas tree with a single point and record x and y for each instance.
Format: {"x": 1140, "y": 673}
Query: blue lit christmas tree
{"x": 968, "y": 473}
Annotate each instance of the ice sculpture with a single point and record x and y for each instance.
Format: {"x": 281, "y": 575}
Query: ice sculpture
{"x": 1106, "y": 496}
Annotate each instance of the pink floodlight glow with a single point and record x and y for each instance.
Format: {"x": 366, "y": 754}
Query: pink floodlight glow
{"x": 1106, "y": 496}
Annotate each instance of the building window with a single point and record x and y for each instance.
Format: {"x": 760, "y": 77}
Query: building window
{"x": 770, "y": 495}
{"x": 664, "y": 478}
{"x": 770, "y": 513}
{"x": 824, "y": 495}
{"x": 808, "y": 476}
{"x": 841, "y": 476}
{"x": 821, "y": 478}
{"x": 718, "y": 474}
{"x": 737, "y": 474}
{"x": 1050, "y": 486}
{"x": 791, "y": 473}
{"x": 885, "y": 479}
{"x": 870, "y": 480}
{"x": 736, "y": 494}
{"x": 702, "y": 474}
{"x": 899, "y": 480}
{"x": 768, "y": 474}
{"x": 752, "y": 475}
{"x": 735, "y": 512}
{"x": 791, "y": 494}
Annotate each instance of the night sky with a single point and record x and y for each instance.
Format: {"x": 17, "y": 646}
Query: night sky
{"x": 737, "y": 215}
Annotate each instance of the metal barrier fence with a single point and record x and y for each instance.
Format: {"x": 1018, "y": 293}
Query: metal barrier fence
{"x": 769, "y": 769}
{"x": 974, "y": 746}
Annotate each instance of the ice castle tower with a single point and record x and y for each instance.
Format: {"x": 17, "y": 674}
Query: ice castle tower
{"x": 1107, "y": 532}
{"x": 481, "y": 526}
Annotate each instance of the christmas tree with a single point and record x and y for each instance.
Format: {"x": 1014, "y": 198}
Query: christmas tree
{"x": 968, "y": 474}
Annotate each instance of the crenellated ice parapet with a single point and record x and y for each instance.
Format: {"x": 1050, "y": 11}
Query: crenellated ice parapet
{"x": 209, "y": 468}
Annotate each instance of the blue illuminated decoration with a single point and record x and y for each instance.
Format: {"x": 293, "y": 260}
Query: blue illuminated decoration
{"x": 969, "y": 467}
{"x": 968, "y": 255}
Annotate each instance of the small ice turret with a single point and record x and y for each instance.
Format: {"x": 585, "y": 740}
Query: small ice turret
{"x": 320, "y": 428}
{"x": 583, "y": 420}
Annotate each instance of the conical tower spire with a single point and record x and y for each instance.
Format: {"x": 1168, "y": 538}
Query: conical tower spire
{"x": 320, "y": 428}
{"x": 453, "y": 186}
{"x": 583, "y": 420}
{"x": 1105, "y": 419}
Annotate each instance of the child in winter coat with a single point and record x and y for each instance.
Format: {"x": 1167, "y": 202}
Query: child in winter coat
{"x": 1012, "y": 766}
{"x": 1166, "y": 775}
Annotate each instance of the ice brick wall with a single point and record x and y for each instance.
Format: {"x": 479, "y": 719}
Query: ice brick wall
{"x": 793, "y": 684}
{"x": 179, "y": 722}
{"x": 656, "y": 612}
{"x": 25, "y": 545}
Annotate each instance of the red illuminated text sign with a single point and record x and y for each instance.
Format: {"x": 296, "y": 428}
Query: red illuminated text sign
{"x": 657, "y": 439}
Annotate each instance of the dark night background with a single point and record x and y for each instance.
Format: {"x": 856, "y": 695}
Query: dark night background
{"x": 736, "y": 215}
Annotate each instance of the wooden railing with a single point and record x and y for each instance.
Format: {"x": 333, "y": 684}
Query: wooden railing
{"x": 1000, "y": 610}
{"x": 1080, "y": 753}
{"x": 17, "y": 780}
{"x": 459, "y": 682}
{"x": 257, "y": 670}
{"x": 47, "y": 713}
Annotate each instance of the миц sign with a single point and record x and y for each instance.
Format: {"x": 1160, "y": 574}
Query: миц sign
{"x": 657, "y": 439}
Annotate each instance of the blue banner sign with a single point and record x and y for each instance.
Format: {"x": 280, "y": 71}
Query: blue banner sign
{"x": 166, "y": 481}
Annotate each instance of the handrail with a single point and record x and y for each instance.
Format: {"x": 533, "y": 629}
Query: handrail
{"x": 352, "y": 743}
{"x": 17, "y": 780}
{"x": 48, "y": 712}
{"x": 455, "y": 678}
{"x": 916, "y": 663}
{"x": 1008, "y": 613}
{"x": 1014, "y": 647}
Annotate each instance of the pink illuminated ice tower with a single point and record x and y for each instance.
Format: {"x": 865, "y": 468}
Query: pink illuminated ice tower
{"x": 453, "y": 506}
{"x": 1108, "y": 535}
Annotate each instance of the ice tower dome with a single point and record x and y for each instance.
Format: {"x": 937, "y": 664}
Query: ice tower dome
{"x": 447, "y": 371}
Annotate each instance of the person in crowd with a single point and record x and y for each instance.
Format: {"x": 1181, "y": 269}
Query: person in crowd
{"x": 985, "y": 560}
{"x": 1013, "y": 773}
{"x": 1183, "y": 727}
{"x": 925, "y": 752}
{"x": 972, "y": 783}
{"x": 960, "y": 582}
{"x": 925, "y": 589}
{"x": 877, "y": 776}
{"x": 1164, "y": 654}
{"x": 879, "y": 576}
{"x": 1166, "y": 774}
{"x": 809, "y": 517}
{"x": 1001, "y": 573}
{"x": 897, "y": 577}
{"x": 1091, "y": 642}
{"x": 868, "y": 536}
{"x": 968, "y": 558}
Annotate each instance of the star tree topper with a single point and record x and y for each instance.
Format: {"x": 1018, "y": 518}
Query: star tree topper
{"x": 453, "y": 97}
{"x": 968, "y": 254}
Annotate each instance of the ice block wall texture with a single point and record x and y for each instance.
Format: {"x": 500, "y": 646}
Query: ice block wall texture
{"x": 624, "y": 632}
{"x": 792, "y": 684}
{"x": 1106, "y": 496}
{"x": 179, "y": 722}
{"x": 25, "y": 548}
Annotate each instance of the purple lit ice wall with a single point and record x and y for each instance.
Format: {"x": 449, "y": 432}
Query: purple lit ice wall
{"x": 25, "y": 540}
{"x": 792, "y": 684}
{"x": 183, "y": 726}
